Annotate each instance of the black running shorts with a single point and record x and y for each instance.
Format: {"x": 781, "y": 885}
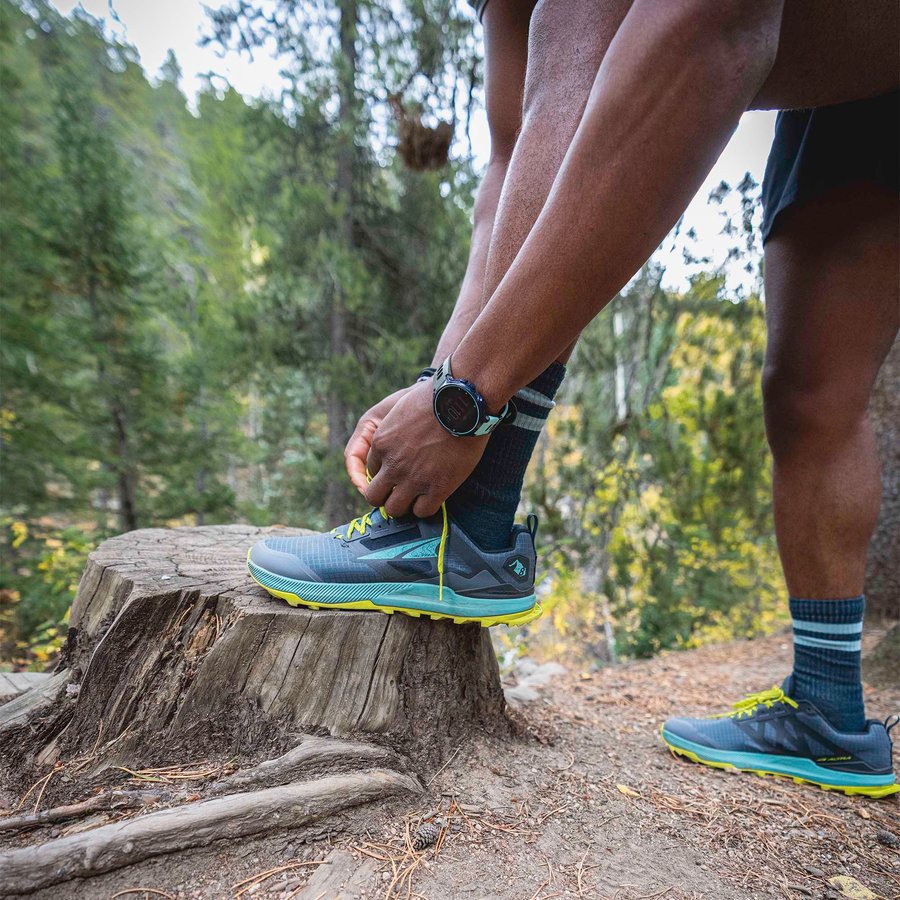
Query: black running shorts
{"x": 815, "y": 150}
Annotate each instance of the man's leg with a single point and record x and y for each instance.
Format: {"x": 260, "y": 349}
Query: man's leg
{"x": 567, "y": 42}
{"x": 832, "y": 305}
{"x": 832, "y": 301}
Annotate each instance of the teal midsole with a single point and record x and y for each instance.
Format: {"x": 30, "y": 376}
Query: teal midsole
{"x": 405, "y": 595}
{"x": 782, "y": 765}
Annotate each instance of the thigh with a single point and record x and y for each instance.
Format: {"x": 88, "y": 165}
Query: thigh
{"x": 832, "y": 294}
{"x": 833, "y": 51}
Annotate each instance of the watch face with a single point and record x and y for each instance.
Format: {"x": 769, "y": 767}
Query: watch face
{"x": 456, "y": 409}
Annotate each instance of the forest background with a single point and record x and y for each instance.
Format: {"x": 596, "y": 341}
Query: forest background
{"x": 199, "y": 299}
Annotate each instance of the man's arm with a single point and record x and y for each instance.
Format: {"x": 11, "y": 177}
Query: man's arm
{"x": 506, "y": 56}
{"x": 505, "y": 59}
{"x": 666, "y": 98}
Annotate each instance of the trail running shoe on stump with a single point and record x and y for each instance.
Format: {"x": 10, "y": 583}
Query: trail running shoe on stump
{"x": 769, "y": 733}
{"x": 409, "y": 565}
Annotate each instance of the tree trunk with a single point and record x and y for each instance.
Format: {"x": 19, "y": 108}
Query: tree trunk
{"x": 883, "y": 566}
{"x": 125, "y": 474}
{"x": 337, "y": 502}
{"x": 175, "y": 655}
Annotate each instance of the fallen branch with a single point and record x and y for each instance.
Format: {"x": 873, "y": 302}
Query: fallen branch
{"x": 98, "y": 803}
{"x": 120, "y": 844}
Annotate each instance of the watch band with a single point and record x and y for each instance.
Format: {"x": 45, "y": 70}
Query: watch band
{"x": 442, "y": 373}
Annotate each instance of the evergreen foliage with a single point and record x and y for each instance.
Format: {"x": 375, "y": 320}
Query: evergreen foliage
{"x": 198, "y": 302}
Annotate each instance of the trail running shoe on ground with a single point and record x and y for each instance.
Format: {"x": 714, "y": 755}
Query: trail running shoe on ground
{"x": 409, "y": 565}
{"x": 771, "y": 734}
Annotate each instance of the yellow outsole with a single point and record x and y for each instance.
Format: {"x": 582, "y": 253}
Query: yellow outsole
{"x": 510, "y": 619}
{"x": 875, "y": 792}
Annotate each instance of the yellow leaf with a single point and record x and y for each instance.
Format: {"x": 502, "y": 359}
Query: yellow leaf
{"x": 627, "y": 791}
{"x": 20, "y": 534}
{"x": 851, "y": 888}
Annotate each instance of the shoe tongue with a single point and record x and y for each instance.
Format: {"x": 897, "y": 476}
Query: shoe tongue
{"x": 787, "y": 686}
{"x": 378, "y": 519}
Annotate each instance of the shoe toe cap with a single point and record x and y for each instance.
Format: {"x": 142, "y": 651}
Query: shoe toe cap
{"x": 686, "y": 729}
{"x": 278, "y": 562}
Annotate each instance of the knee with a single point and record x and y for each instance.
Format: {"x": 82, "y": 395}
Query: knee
{"x": 803, "y": 408}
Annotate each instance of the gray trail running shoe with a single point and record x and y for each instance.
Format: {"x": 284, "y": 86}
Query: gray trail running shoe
{"x": 409, "y": 565}
{"x": 770, "y": 733}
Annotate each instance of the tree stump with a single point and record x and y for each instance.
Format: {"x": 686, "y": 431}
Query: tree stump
{"x": 174, "y": 654}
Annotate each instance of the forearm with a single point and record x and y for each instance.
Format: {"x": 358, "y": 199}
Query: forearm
{"x": 471, "y": 294}
{"x": 665, "y": 100}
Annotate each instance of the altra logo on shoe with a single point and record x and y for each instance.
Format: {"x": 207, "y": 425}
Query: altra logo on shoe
{"x": 518, "y": 566}
{"x": 426, "y": 549}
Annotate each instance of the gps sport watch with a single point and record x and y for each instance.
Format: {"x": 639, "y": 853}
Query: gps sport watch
{"x": 460, "y": 409}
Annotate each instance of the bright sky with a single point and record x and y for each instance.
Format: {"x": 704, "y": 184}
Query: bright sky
{"x": 155, "y": 27}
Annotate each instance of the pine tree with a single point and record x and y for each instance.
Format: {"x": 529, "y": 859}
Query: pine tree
{"x": 330, "y": 220}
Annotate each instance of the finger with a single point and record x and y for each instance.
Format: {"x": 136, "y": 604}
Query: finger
{"x": 379, "y": 488}
{"x": 356, "y": 452}
{"x": 373, "y": 462}
{"x": 365, "y": 429}
{"x": 400, "y": 501}
{"x": 426, "y": 505}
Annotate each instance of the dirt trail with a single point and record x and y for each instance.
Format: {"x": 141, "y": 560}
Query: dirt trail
{"x": 586, "y": 804}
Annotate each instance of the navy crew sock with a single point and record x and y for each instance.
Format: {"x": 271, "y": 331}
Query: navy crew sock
{"x": 827, "y": 659}
{"x": 485, "y": 504}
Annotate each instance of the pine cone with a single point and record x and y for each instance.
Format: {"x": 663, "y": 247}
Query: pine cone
{"x": 426, "y": 835}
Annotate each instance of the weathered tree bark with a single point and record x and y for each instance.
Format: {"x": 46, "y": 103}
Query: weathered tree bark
{"x": 175, "y": 655}
{"x": 883, "y": 566}
{"x": 173, "y": 650}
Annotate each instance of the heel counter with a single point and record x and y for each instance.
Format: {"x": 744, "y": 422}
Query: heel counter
{"x": 879, "y": 753}
{"x": 525, "y": 548}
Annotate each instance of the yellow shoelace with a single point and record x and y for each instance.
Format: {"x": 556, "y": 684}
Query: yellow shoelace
{"x": 768, "y": 699}
{"x": 362, "y": 523}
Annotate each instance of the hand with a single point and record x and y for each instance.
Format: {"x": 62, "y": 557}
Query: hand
{"x": 357, "y": 449}
{"x": 415, "y": 464}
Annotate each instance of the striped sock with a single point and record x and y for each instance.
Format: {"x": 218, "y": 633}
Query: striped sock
{"x": 485, "y": 504}
{"x": 827, "y": 657}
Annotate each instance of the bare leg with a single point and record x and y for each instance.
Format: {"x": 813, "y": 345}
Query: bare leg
{"x": 832, "y": 301}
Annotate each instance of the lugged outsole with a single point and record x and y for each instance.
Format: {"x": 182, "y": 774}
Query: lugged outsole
{"x": 874, "y": 792}
{"x": 509, "y": 619}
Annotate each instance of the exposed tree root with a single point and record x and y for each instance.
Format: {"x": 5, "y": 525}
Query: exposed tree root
{"x": 198, "y": 824}
{"x": 313, "y": 755}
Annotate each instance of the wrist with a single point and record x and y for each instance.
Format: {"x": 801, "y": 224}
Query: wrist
{"x": 484, "y": 374}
